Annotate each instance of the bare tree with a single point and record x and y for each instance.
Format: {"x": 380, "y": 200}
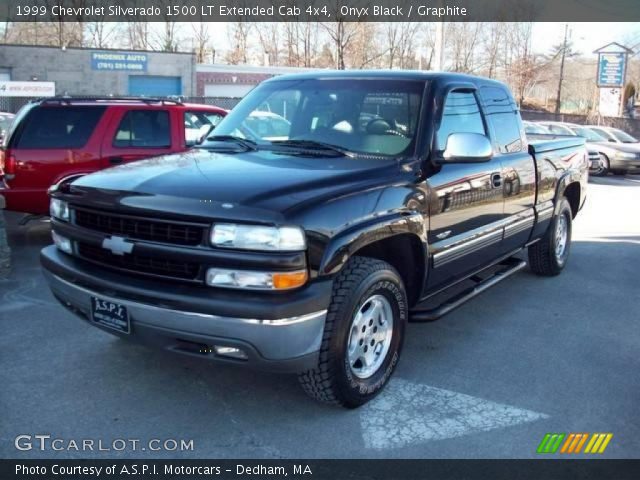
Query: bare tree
{"x": 269, "y": 39}
{"x": 341, "y": 34}
{"x": 463, "y": 39}
{"x": 400, "y": 38}
{"x": 366, "y": 51}
{"x": 239, "y": 34}
{"x": 100, "y": 34}
{"x": 201, "y": 38}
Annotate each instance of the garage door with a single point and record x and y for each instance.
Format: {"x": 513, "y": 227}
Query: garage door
{"x": 154, "y": 85}
{"x": 227, "y": 90}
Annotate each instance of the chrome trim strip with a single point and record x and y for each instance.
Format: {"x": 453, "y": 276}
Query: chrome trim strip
{"x": 519, "y": 226}
{"x": 467, "y": 247}
{"x": 545, "y": 214}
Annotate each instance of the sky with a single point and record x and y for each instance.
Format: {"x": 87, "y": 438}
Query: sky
{"x": 586, "y": 36}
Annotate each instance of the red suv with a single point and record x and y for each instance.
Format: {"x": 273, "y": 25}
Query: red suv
{"x": 59, "y": 139}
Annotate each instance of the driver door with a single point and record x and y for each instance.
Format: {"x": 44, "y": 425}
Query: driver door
{"x": 466, "y": 199}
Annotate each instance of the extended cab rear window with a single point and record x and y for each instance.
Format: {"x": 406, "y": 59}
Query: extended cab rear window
{"x": 58, "y": 127}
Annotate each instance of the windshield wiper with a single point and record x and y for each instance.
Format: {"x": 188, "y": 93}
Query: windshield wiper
{"x": 313, "y": 145}
{"x": 244, "y": 142}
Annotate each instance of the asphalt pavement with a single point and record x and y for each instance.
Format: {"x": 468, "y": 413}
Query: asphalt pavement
{"x": 530, "y": 356}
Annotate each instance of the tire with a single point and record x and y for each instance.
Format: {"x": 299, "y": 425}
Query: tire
{"x": 546, "y": 257}
{"x": 604, "y": 171}
{"x": 365, "y": 286}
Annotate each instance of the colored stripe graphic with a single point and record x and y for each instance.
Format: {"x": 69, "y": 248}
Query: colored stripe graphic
{"x": 598, "y": 443}
{"x": 550, "y": 443}
{"x": 573, "y": 443}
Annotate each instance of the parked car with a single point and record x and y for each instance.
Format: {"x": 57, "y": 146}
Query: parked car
{"x": 532, "y": 128}
{"x": 310, "y": 254}
{"x": 618, "y": 158}
{"x": 544, "y": 130}
{"x": 615, "y": 135}
{"x": 5, "y": 122}
{"x": 59, "y": 139}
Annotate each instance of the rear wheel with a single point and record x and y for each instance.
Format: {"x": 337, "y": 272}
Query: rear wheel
{"x": 363, "y": 334}
{"x": 549, "y": 255}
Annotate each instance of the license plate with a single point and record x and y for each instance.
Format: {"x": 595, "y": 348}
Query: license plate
{"x": 110, "y": 314}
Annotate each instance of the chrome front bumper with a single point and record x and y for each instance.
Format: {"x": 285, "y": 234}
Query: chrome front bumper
{"x": 286, "y": 344}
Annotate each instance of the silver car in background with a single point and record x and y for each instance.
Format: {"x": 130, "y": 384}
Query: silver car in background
{"x": 617, "y": 157}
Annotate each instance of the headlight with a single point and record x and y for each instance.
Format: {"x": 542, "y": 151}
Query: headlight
{"x": 59, "y": 209}
{"x": 628, "y": 155}
{"x": 251, "y": 280}
{"x": 256, "y": 237}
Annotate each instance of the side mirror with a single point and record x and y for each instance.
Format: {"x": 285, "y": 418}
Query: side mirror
{"x": 467, "y": 148}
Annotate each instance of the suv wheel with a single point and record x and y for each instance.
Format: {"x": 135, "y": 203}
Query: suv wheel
{"x": 363, "y": 334}
{"x": 549, "y": 255}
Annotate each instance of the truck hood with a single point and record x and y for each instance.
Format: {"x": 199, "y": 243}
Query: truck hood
{"x": 262, "y": 184}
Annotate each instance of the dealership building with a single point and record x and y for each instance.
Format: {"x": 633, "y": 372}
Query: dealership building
{"x": 37, "y": 71}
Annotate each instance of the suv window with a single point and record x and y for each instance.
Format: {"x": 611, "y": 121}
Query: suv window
{"x": 58, "y": 127}
{"x": 461, "y": 114}
{"x": 144, "y": 129}
{"x": 196, "y": 123}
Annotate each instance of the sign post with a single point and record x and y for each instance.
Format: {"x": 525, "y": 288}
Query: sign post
{"x": 611, "y": 76}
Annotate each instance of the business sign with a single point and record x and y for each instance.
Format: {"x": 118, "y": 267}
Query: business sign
{"x": 610, "y": 101}
{"x": 27, "y": 89}
{"x": 119, "y": 61}
{"x": 611, "y": 69}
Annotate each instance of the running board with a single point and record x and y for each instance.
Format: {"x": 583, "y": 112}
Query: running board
{"x": 509, "y": 267}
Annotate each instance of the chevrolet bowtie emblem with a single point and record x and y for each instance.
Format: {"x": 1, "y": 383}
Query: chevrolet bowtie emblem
{"x": 117, "y": 245}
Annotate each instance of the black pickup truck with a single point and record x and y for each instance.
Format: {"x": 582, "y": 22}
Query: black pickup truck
{"x": 306, "y": 245}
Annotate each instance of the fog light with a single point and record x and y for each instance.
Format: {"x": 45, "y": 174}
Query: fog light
{"x": 230, "y": 352}
{"x": 63, "y": 243}
{"x": 250, "y": 280}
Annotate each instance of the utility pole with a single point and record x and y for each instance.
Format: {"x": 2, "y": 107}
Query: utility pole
{"x": 439, "y": 47}
{"x": 564, "y": 52}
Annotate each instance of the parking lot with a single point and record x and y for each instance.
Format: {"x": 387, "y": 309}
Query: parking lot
{"x": 530, "y": 356}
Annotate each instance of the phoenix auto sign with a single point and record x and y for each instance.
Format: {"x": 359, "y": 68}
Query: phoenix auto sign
{"x": 119, "y": 61}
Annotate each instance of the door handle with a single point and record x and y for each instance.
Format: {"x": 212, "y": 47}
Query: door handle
{"x": 116, "y": 160}
{"x": 496, "y": 180}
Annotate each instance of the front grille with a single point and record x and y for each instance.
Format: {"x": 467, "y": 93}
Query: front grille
{"x": 140, "y": 264}
{"x": 138, "y": 228}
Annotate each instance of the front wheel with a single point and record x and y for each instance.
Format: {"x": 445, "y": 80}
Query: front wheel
{"x": 363, "y": 334}
{"x": 549, "y": 255}
{"x": 603, "y": 167}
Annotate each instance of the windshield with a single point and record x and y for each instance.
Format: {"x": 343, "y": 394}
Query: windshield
{"x": 533, "y": 128}
{"x": 361, "y": 116}
{"x": 622, "y": 136}
{"x": 5, "y": 121}
{"x": 589, "y": 134}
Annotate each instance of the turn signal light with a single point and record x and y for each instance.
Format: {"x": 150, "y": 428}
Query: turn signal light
{"x": 286, "y": 280}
